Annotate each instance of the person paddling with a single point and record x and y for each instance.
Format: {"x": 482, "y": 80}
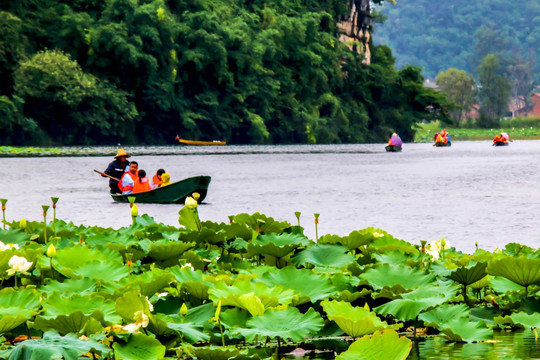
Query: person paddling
{"x": 116, "y": 169}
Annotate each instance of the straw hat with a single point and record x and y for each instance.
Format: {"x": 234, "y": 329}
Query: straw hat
{"x": 122, "y": 152}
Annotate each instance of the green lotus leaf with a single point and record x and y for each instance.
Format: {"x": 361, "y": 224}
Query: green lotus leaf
{"x": 54, "y": 346}
{"x": 348, "y": 296}
{"x": 469, "y": 275}
{"x": 276, "y": 245}
{"x": 114, "y": 239}
{"x": 234, "y": 317}
{"x": 480, "y": 284}
{"x": 148, "y": 283}
{"x": 96, "y": 305}
{"x": 269, "y": 296}
{"x": 131, "y": 302}
{"x": 389, "y": 243}
{"x": 515, "y": 250}
{"x": 503, "y": 285}
{"x": 353, "y": 241}
{"x": 16, "y": 307}
{"x": 267, "y": 225}
{"x": 4, "y": 262}
{"x": 215, "y": 352}
{"x": 307, "y": 285}
{"x": 77, "y": 261}
{"x": 527, "y": 320}
{"x": 165, "y": 249}
{"x": 191, "y": 281}
{"x": 462, "y": 330}
{"x": 84, "y": 286}
{"x": 485, "y": 314}
{"x": 443, "y": 314}
{"x": 390, "y": 275}
{"x": 324, "y": 256}
{"x": 503, "y": 320}
{"x": 190, "y": 331}
{"x": 383, "y": 345}
{"x": 354, "y": 321}
{"x": 139, "y": 347}
{"x": 200, "y": 315}
{"x": 523, "y": 271}
{"x": 63, "y": 324}
{"x": 392, "y": 257}
{"x": 286, "y": 324}
{"x": 14, "y": 236}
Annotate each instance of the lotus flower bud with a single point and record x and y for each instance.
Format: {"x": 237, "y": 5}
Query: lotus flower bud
{"x": 196, "y": 196}
{"x": 134, "y": 210}
{"x": 190, "y": 202}
{"x": 22, "y": 223}
{"x": 183, "y": 309}
{"x": 51, "y": 251}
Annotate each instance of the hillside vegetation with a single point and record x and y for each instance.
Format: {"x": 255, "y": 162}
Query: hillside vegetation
{"x": 140, "y": 72}
{"x": 438, "y": 35}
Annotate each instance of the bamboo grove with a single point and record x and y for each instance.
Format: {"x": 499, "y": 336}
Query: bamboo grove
{"x": 246, "y": 71}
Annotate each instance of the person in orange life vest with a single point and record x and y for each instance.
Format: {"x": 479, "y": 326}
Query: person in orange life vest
{"x": 444, "y": 133}
{"x": 156, "y": 179}
{"x": 497, "y": 139}
{"x": 440, "y": 139}
{"x": 128, "y": 179}
{"x": 116, "y": 169}
{"x": 141, "y": 183}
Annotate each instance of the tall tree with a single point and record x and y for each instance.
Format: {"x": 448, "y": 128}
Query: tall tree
{"x": 494, "y": 91}
{"x": 458, "y": 86}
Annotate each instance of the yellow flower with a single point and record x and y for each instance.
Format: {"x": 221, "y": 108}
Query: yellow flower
{"x": 190, "y": 202}
{"x": 218, "y": 311}
{"x": 51, "y": 251}
{"x": 134, "y": 210}
{"x": 183, "y": 309}
{"x": 22, "y": 223}
{"x": 18, "y": 264}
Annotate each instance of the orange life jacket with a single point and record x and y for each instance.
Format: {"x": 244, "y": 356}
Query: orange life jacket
{"x": 141, "y": 185}
{"x": 127, "y": 187}
{"x": 156, "y": 180}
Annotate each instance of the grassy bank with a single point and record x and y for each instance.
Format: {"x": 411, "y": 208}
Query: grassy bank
{"x": 516, "y": 128}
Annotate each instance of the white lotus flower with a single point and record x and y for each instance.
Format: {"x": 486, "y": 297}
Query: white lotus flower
{"x": 18, "y": 264}
{"x": 189, "y": 266}
{"x": 142, "y": 321}
{"x": 190, "y": 202}
{"x": 9, "y": 246}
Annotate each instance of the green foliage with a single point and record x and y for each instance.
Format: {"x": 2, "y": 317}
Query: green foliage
{"x": 384, "y": 345}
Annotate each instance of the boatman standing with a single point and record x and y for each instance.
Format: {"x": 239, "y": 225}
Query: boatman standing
{"x": 116, "y": 169}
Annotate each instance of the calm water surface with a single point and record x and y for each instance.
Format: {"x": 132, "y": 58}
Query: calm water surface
{"x": 470, "y": 192}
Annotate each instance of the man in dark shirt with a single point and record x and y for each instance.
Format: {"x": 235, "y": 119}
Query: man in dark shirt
{"x": 116, "y": 169}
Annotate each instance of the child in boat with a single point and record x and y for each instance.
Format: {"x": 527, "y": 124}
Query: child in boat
{"x": 141, "y": 183}
{"x": 157, "y": 179}
{"x": 166, "y": 179}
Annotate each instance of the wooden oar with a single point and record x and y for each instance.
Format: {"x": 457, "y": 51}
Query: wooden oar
{"x": 103, "y": 174}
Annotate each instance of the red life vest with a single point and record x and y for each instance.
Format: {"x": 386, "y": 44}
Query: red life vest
{"x": 127, "y": 187}
{"x": 139, "y": 186}
{"x": 156, "y": 181}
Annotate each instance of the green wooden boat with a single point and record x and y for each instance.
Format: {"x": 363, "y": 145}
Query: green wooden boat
{"x": 174, "y": 193}
{"x": 393, "y": 148}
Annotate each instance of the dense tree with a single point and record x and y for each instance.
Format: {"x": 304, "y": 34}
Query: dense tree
{"x": 109, "y": 71}
{"x": 494, "y": 90}
{"x": 458, "y": 86}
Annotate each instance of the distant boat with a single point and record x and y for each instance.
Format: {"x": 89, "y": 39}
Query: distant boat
{"x": 393, "y": 148}
{"x": 442, "y": 144}
{"x": 197, "y": 142}
{"x": 173, "y": 193}
{"x": 500, "y": 143}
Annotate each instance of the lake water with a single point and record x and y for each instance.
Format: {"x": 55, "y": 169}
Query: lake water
{"x": 470, "y": 192}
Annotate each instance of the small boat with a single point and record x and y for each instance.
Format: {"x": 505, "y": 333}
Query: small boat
{"x": 196, "y": 142}
{"x": 442, "y": 144}
{"x": 500, "y": 143}
{"x": 173, "y": 193}
{"x": 393, "y": 148}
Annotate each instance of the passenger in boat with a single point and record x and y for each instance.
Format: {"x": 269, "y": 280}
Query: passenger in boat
{"x": 141, "y": 183}
{"x": 395, "y": 140}
{"x": 440, "y": 139}
{"x": 499, "y": 139}
{"x": 128, "y": 179}
{"x": 116, "y": 169}
{"x": 166, "y": 179}
{"x": 157, "y": 179}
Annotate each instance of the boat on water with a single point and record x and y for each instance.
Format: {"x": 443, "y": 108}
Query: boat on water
{"x": 171, "y": 194}
{"x": 442, "y": 144}
{"x": 500, "y": 143}
{"x": 393, "y": 148}
{"x": 197, "y": 142}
